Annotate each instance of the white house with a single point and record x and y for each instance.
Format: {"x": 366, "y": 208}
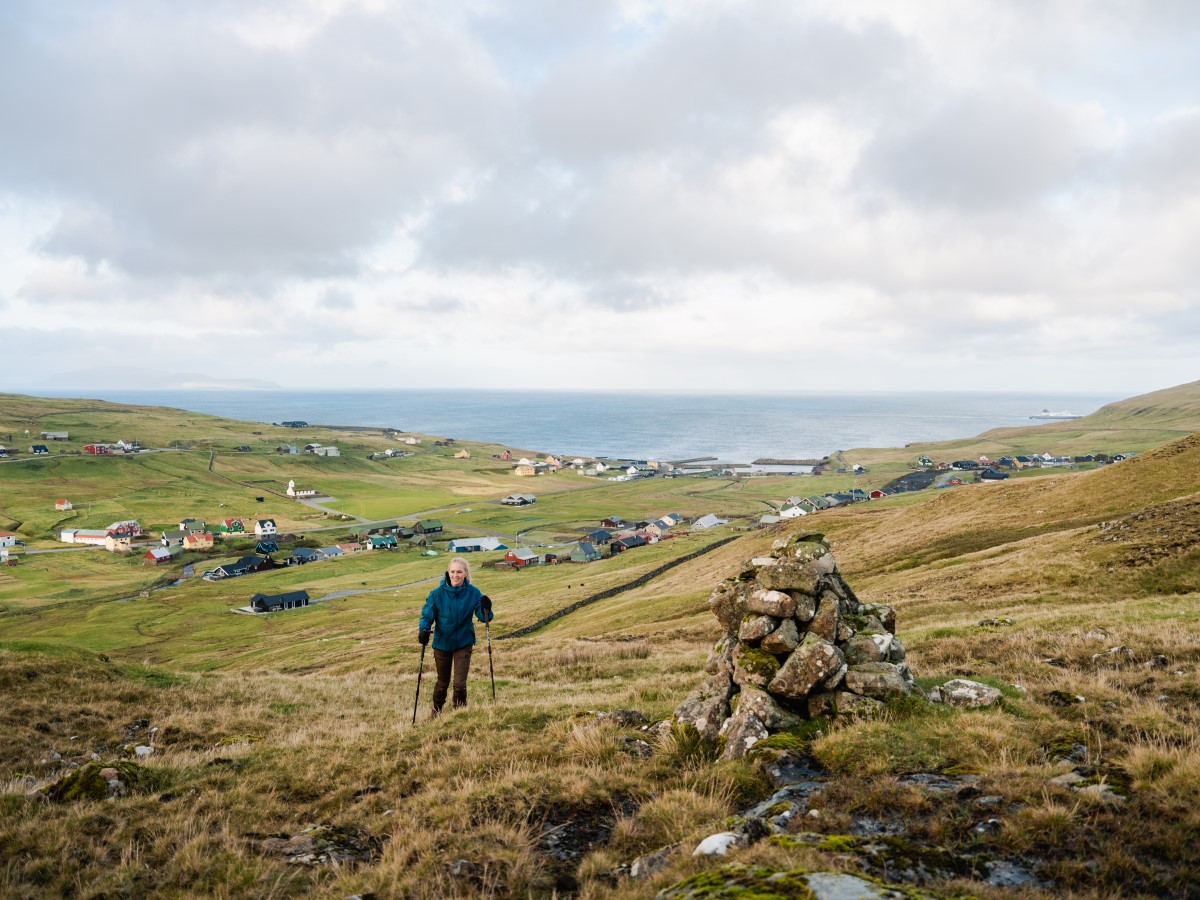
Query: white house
{"x": 709, "y": 521}
{"x": 95, "y": 536}
{"x": 791, "y": 512}
{"x": 326, "y": 451}
{"x": 7, "y": 539}
{"x": 265, "y": 528}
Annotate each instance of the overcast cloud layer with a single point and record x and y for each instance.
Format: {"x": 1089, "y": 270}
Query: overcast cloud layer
{"x": 642, "y": 194}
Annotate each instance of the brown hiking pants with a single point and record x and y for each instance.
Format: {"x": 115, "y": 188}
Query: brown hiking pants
{"x": 444, "y": 661}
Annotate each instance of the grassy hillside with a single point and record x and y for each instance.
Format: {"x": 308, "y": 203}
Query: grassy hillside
{"x": 268, "y": 726}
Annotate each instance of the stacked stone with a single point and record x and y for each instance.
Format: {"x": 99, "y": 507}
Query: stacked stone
{"x": 798, "y": 644}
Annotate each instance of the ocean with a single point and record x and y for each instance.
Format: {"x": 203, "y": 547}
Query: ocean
{"x": 735, "y": 428}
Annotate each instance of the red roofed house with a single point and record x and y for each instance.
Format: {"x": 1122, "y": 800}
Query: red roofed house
{"x": 62, "y": 505}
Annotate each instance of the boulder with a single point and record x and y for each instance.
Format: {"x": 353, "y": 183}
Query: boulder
{"x": 836, "y": 678}
{"x": 728, "y": 604}
{"x": 741, "y": 731}
{"x": 880, "y": 680}
{"x": 809, "y": 665}
{"x": 965, "y": 694}
{"x": 707, "y": 707}
{"x": 720, "y": 658}
{"x": 841, "y": 703}
{"x": 790, "y": 575}
{"x": 752, "y": 665}
{"x": 864, "y": 648}
{"x": 881, "y": 611}
{"x": 755, "y": 628}
{"x": 763, "y": 706}
{"x": 825, "y": 623}
{"x": 771, "y": 603}
{"x": 782, "y": 640}
{"x": 806, "y": 606}
{"x": 896, "y": 652}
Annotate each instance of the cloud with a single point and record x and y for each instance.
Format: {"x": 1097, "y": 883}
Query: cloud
{"x": 603, "y": 184}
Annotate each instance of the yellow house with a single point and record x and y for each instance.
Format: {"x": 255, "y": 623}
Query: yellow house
{"x": 464, "y": 453}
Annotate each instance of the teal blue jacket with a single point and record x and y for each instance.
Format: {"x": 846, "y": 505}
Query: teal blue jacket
{"x": 450, "y": 609}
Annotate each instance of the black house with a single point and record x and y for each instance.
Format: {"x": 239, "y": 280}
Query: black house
{"x": 277, "y": 602}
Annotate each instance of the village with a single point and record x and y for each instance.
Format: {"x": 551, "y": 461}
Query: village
{"x": 261, "y": 545}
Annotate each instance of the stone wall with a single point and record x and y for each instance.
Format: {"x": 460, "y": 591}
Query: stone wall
{"x": 798, "y": 644}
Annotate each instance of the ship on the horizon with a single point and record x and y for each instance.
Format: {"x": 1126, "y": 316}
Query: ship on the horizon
{"x": 1046, "y": 414}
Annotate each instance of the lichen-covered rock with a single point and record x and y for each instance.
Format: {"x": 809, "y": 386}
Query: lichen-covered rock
{"x": 771, "y": 603}
{"x": 728, "y": 604}
{"x": 806, "y": 606}
{"x": 764, "y": 707}
{"x": 883, "y": 612}
{"x": 742, "y": 731}
{"x": 755, "y": 628}
{"x": 788, "y": 544}
{"x": 790, "y": 575}
{"x": 864, "y": 648}
{"x": 835, "y": 679}
{"x": 841, "y": 703}
{"x": 965, "y": 694}
{"x": 720, "y": 658}
{"x": 866, "y": 624}
{"x": 707, "y": 707}
{"x": 811, "y": 663}
{"x": 825, "y": 623}
{"x": 752, "y": 665}
{"x": 783, "y": 639}
{"x": 896, "y": 653}
{"x": 880, "y": 680}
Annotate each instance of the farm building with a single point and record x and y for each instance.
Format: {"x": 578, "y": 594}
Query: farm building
{"x": 475, "y": 545}
{"x": 63, "y": 505}
{"x": 519, "y": 500}
{"x": 709, "y": 521}
{"x": 428, "y": 526}
{"x": 628, "y": 543}
{"x": 157, "y": 556}
{"x": 522, "y": 557}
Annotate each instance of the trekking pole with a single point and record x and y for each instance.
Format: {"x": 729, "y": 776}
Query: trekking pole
{"x": 487, "y": 627}
{"x": 420, "y": 671}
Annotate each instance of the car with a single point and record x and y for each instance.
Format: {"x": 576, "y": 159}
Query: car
{"x": 19, "y": 543}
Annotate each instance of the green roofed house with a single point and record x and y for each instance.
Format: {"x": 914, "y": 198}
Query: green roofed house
{"x": 428, "y": 526}
{"x": 381, "y": 542}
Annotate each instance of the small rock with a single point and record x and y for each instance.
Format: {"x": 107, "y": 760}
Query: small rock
{"x": 652, "y": 863}
{"x": 1067, "y": 779}
{"x": 636, "y": 747}
{"x": 989, "y": 802}
{"x": 988, "y": 826}
{"x": 1158, "y": 662}
{"x": 141, "y": 751}
{"x": 965, "y": 694}
{"x": 719, "y": 844}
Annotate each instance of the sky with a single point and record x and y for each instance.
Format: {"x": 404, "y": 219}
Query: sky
{"x": 705, "y": 195}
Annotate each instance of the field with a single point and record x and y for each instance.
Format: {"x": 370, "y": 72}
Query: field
{"x": 294, "y": 729}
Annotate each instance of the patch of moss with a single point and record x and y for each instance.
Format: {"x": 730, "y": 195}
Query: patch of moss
{"x": 758, "y": 662}
{"x": 962, "y": 769}
{"x": 86, "y": 783}
{"x": 239, "y": 739}
{"x": 839, "y": 843}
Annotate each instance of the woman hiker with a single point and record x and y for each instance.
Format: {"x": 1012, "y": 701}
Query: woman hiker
{"x": 450, "y": 606}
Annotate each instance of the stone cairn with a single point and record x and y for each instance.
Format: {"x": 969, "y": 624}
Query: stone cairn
{"x": 798, "y": 644}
